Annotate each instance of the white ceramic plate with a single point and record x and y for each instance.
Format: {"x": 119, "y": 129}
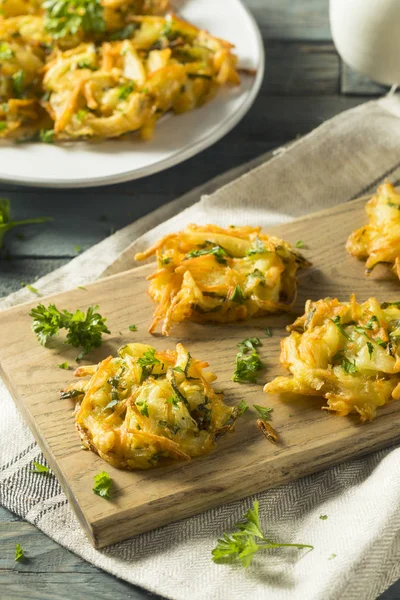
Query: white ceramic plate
{"x": 176, "y": 138}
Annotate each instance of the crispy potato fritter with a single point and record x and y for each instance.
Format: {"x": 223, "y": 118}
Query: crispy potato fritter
{"x": 348, "y": 353}
{"x": 145, "y": 408}
{"x": 206, "y": 273}
{"x": 379, "y": 241}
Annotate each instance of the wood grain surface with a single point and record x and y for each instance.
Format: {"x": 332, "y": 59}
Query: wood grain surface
{"x": 244, "y": 462}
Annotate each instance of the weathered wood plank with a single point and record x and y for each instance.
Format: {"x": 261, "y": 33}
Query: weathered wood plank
{"x": 353, "y": 83}
{"x": 292, "y": 20}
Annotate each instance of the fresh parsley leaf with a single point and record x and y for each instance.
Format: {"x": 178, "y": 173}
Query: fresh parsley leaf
{"x": 143, "y": 407}
{"x": 264, "y": 411}
{"x": 63, "y": 365}
{"x": 81, "y": 114}
{"x": 32, "y": 289}
{"x": 19, "y": 553}
{"x": 238, "y": 295}
{"x": 323, "y": 517}
{"x": 258, "y": 274}
{"x": 241, "y": 408}
{"x": 18, "y": 80}
{"x": 6, "y": 52}
{"x": 38, "y": 468}
{"x": 336, "y": 321}
{"x": 102, "y": 485}
{"x": 3, "y": 125}
{"x": 371, "y": 323}
{"x": 164, "y": 261}
{"x": 80, "y": 287}
{"x": 46, "y": 136}
{"x": 243, "y": 544}
{"x": 132, "y": 328}
{"x": 67, "y": 17}
{"x": 71, "y": 394}
{"x": 174, "y": 400}
{"x": 247, "y": 367}
{"x": 348, "y": 366}
{"x": 370, "y": 349}
{"x": 332, "y": 556}
{"x": 219, "y": 252}
{"x": 380, "y": 342}
{"x": 6, "y": 224}
{"x": 85, "y": 330}
{"x": 78, "y": 249}
{"x": 125, "y": 90}
{"x": 249, "y": 344}
{"x": 268, "y": 331}
{"x": 300, "y": 244}
{"x": 84, "y": 64}
{"x": 148, "y": 361}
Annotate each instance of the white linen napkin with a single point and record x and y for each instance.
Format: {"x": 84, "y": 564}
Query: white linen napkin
{"x": 357, "y": 548}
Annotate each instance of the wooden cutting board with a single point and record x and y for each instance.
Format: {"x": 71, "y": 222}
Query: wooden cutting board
{"x": 244, "y": 462}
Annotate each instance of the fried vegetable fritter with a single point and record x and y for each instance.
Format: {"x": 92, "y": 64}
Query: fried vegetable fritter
{"x": 348, "y": 353}
{"x": 145, "y": 408}
{"x": 206, "y": 273}
{"x": 110, "y": 71}
{"x": 379, "y": 241}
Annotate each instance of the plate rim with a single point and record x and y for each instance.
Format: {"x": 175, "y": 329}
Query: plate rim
{"x": 179, "y": 156}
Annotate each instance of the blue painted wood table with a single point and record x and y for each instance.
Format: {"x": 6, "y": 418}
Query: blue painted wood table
{"x": 305, "y": 84}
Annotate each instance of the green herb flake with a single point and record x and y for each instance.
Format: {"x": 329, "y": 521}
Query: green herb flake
{"x": 18, "y": 80}
{"x": 125, "y": 91}
{"x": 217, "y": 251}
{"x": 143, "y": 407}
{"x": 3, "y": 125}
{"x": 111, "y": 404}
{"x": 63, "y": 365}
{"x": 148, "y": 361}
{"x": 81, "y": 287}
{"x": 102, "y": 485}
{"x": 238, "y": 295}
{"x": 349, "y": 366}
{"x": 268, "y": 331}
{"x": 264, "y": 411}
{"x": 46, "y": 136}
{"x": 124, "y": 33}
{"x": 19, "y": 553}
{"x": 81, "y": 114}
{"x": 393, "y": 205}
{"x": 300, "y": 244}
{"x": 30, "y": 287}
{"x": 258, "y": 248}
{"x": 370, "y": 349}
{"x": 247, "y": 367}
{"x": 78, "y": 249}
{"x": 332, "y": 556}
{"x": 323, "y": 517}
{"x": 38, "y": 468}
{"x": 249, "y": 345}
{"x": 173, "y": 400}
{"x": 241, "y": 546}
{"x": 132, "y": 328}
{"x": 84, "y": 64}
{"x": 6, "y": 52}
{"x": 336, "y": 321}
{"x": 388, "y": 304}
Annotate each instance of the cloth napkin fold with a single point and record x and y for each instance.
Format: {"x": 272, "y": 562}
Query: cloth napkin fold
{"x": 357, "y": 548}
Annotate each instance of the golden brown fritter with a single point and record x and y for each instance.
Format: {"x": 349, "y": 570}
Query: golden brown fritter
{"x": 206, "y": 273}
{"x": 348, "y": 353}
{"x": 379, "y": 241}
{"x": 145, "y": 408}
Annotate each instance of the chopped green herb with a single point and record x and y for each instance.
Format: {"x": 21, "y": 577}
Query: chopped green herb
{"x": 394, "y": 205}
{"x": 102, "y": 485}
{"x": 143, "y": 407}
{"x": 111, "y": 404}
{"x": 63, "y": 365}
{"x": 300, "y": 244}
{"x": 125, "y": 90}
{"x": 6, "y": 224}
{"x": 264, "y": 411}
{"x": 323, "y": 517}
{"x": 3, "y": 125}
{"x": 370, "y": 349}
{"x": 6, "y": 52}
{"x": 81, "y": 114}
{"x": 388, "y": 304}
{"x": 219, "y": 253}
{"x": 348, "y": 366}
{"x": 332, "y": 556}
{"x": 380, "y": 342}
{"x": 148, "y": 362}
{"x": 38, "y": 468}
{"x": 132, "y": 328}
{"x": 247, "y": 367}
{"x": 174, "y": 400}
{"x": 71, "y": 394}
{"x": 165, "y": 261}
{"x": 238, "y": 295}
{"x": 85, "y": 330}
{"x": 268, "y": 331}
{"x": 19, "y": 553}
{"x": 336, "y": 321}
{"x": 18, "y": 80}
{"x": 241, "y": 546}
{"x": 241, "y": 408}
{"x": 32, "y": 289}
{"x": 84, "y": 64}
{"x": 249, "y": 344}
{"x": 47, "y": 136}
{"x": 258, "y": 248}
{"x": 78, "y": 249}
{"x": 80, "y": 287}
{"x": 258, "y": 274}
{"x": 66, "y": 17}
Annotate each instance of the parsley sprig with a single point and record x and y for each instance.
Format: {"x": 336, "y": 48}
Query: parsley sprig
{"x": 102, "y": 485}
{"x": 242, "y": 546}
{"x": 85, "y": 330}
{"x": 67, "y": 17}
{"x": 247, "y": 365}
{"x": 19, "y": 553}
{"x": 6, "y": 224}
{"x": 210, "y": 248}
